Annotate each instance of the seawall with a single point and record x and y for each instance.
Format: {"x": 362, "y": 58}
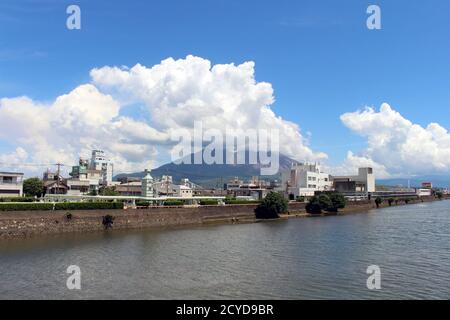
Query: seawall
{"x": 20, "y": 224}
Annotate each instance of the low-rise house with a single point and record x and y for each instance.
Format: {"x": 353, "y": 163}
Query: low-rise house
{"x": 11, "y": 184}
{"x": 129, "y": 189}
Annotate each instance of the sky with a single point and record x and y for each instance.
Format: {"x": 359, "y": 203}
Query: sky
{"x": 338, "y": 92}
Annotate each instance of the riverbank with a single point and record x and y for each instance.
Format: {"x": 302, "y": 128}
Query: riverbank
{"x": 23, "y": 224}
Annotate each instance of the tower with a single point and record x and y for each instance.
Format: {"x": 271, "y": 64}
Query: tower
{"x": 147, "y": 189}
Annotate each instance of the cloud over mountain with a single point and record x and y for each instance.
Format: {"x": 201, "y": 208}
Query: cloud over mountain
{"x": 173, "y": 94}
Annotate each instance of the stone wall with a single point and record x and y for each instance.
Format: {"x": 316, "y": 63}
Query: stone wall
{"x": 30, "y": 223}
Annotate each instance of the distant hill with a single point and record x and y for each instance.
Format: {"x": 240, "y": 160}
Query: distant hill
{"x": 210, "y": 175}
{"x": 439, "y": 181}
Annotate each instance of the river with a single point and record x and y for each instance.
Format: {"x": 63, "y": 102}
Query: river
{"x": 310, "y": 258}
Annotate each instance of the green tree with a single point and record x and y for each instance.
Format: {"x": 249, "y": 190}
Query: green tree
{"x": 337, "y": 202}
{"x": 272, "y": 205}
{"x": 33, "y": 187}
{"x": 320, "y": 203}
{"x": 378, "y": 201}
{"x": 439, "y": 195}
{"x": 108, "y": 191}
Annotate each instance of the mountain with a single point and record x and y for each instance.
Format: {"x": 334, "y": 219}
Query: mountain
{"x": 213, "y": 175}
{"x": 439, "y": 181}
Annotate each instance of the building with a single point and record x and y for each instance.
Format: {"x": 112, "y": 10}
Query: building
{"x": 129, "y": 189}
{"x": 304, "y": 179}
{"x": 427, "y": 185}
{"x": 100, "y": 162}
{"x": 147, "y": 189}
{"x": 364, "y": 182}
{"x": 84, "y": 179}
{"x": 182, "y": 191}
{"x": 11, "y": 184}
{"x": 254, "y": 189}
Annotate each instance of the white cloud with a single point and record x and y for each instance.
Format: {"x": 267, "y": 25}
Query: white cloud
{"x": 396, "y": 144}
{"x": 175, "y": 93}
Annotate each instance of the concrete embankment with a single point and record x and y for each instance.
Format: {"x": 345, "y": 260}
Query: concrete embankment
{"x": 19, "y": 224}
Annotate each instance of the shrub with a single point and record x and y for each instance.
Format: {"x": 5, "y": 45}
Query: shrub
{"x": 18, "y": 199}
{"x": 234, "y": 201}
{"x": 88, "y": 205}
{"x": 378, "y": 201}
{"x": 320, "y": 203}
{"x": 272, "y": 205}
{"x": 338, "y": 201}
{"x": 25, "y": 206}
{"x": 390, "y": 201}
{"x": 108, "y": 221}
{"x": 208, "y": 202}
{"x": 173, "y": 203}
{"x": 439, "y": 195}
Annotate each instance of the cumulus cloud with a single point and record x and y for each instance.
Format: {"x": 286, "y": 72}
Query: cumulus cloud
{"x": 396, "y": 145}
{"x": 71, "y": 126}
{"x": 174, "y": 94}
{"x": 179, "y": 92}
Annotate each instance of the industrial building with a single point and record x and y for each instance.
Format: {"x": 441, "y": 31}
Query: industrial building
{"x": 364, "y": 182}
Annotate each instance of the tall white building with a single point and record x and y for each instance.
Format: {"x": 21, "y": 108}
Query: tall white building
{"x": 100, "y": 162}
{"x": 303, "y": 179}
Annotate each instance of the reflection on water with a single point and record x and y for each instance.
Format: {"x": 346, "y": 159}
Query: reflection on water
{"x": 316, "y": 258}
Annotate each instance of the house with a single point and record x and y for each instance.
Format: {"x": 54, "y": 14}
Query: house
{"x": 129, "y": 189}
{"x": 11, "y": 184}
{"x": 304, "y": 179}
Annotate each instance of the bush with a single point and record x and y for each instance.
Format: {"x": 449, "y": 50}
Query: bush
{"x": 338, "y": 201}
{"x": 234, "y": 201}
{"x": 18, "y": 199}
{"x": 300, "y": 199}
{"x": 378, "y": 201}
{"x": 330, "y": 202}
{"x": 208, "y": 202}
{"x": 108, "y": 221}
{"x": 88, "y": 205}
{"x": 272, "y": 205}
{"x": 173, "y": 203}
{"x": 25, "y": 206}
{"x": 391, "y": 201}
{"x": 317, "y": 204}
{"x": 439, "y": 195}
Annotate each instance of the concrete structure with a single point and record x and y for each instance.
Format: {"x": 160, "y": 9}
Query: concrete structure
{"x": 424, "y": 192}
{"x": 364, "y": 182}
{"x": 304, "y": 179}
{"x": 84, "y": 179}
{"x": 255, "y": 189}
{"x": 100, "y": 162}
{"x": 11, "y": 184}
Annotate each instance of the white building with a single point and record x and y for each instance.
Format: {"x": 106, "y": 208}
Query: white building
{"x": 182, "y": 191}
{"x": 364, "y": 182}
{"x": 303, "y": 179}
{"x": 100, "y": 162}
{"x": 11, "y": 184}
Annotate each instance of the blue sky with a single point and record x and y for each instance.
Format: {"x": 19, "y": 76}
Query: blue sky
{"x": 318, "y": 55}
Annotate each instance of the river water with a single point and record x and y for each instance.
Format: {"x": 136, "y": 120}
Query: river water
{"x": 313, "y": 258}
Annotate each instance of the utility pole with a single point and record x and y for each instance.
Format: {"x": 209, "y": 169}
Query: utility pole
{"x": 57, "y": 176}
